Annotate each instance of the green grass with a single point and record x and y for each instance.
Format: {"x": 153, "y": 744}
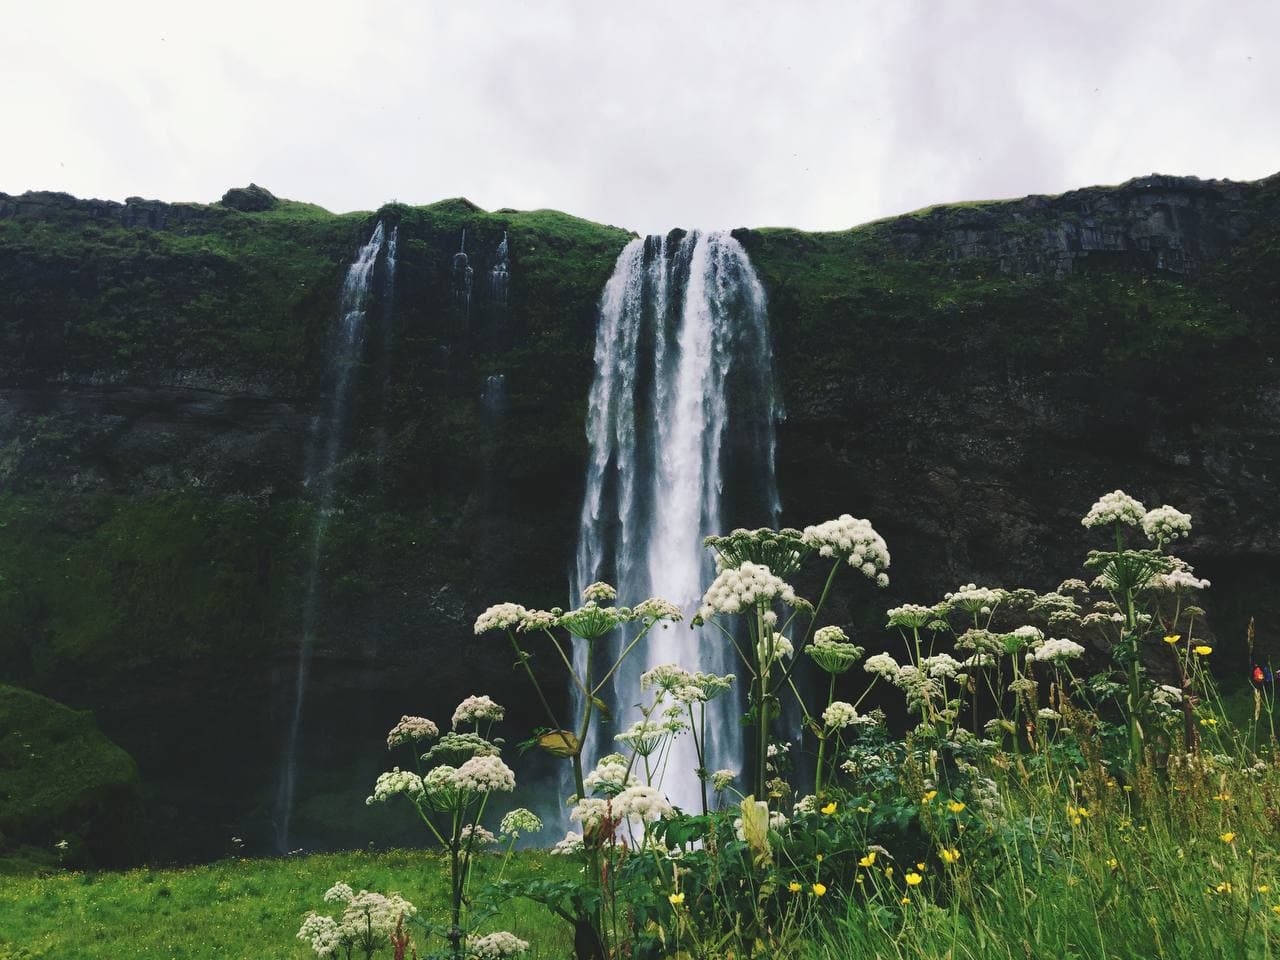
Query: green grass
{"x": 240, "y": 908}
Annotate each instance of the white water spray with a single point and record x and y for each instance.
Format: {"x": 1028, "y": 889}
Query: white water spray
{"x": 684, "y": 381}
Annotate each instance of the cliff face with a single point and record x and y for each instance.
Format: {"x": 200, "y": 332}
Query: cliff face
{"x": 968, "y": 377}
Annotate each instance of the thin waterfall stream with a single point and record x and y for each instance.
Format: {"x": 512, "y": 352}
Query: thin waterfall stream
{"x": 681, "y": 424}
{"x": 328, "y": 435}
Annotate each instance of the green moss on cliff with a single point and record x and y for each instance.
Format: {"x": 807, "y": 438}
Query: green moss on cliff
{"x": 62, "y": 780}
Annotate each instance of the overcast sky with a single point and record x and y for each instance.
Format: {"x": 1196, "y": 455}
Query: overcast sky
{"x": 646, "y": 115}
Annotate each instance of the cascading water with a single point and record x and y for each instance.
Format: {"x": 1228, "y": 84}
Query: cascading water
{"x": 388, "y": 332}
{"x": 322, "y": 461}
{"x": 463, "y": 274}
{"x": 681, "y": 425}
{"x": 500, "y": 273}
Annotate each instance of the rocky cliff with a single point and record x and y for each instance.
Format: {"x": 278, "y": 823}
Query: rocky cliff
{"x": 970, "y": 377}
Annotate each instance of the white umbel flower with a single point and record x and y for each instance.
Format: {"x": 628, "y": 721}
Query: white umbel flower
{"x": 393, "y": 782}
{"x": 1115, "y": 507}
{"x": 599, "y": 592}
{"x": 572, "y": 843}
{"x": 853, "y": 540}
{"x": 519, "y": 821}
{"x": 839, "y": 715}
{"x": 882, "y": 665}
{"x": 485, "y": 775}
{"x": 743, "y": 588}
{"x": 495, "y": 946}
{"x": 1165, "y": 524}
{"x": 611, "y": 775}
{"x": 501, "y": 616}
{"x": 1057, "y": 651}
{"x": 411, "y": 729}
{"x": 475, "y": 709}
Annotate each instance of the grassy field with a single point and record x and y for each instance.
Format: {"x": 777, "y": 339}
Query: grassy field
{"x": 247, "y": 909}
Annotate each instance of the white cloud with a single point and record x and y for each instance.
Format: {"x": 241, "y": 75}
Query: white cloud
{"x": 818, "y": 115}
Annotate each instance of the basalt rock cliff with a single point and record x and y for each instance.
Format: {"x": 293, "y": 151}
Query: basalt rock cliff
{"x": 969, "y": 377}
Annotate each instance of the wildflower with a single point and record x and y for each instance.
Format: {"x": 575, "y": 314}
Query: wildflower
{"x": 1057, "y": 651}
{"x": 454, "y": 748}
{"x": 819, "y": 890}
{"x": 1208, "y": 721}
{"x": 818, "y": 857}
{"x": 518, "y": 821}
{"x": 972, "y": 598}
{"x": 955, "y": 806}
{"x": 676, "y": 899}
{"x": 1227, "y": 837}
{"x": 485, "y": 775}
{"x": 913, "y": 879}
{"x": 853, "y": 540}
{"x": 322, "y": 933}
{"x": 830, "y": 808}
{"x": 773, "y": 650}
{"x": 1163, "y": 524}
{"x": 921, "y": 867}
{"x": 1172, "y": 637}
{"x": 794, "y": 887}
{"x": 1223, "y": 797}
{"x": 750, "y": 586}
{"x": 949, "y": 855}
{"x": 501, "y": 616}
{"x": 1117, "y": 507}
{"x": 905, "y": 900}
{"x": 721, "y": 779}
{"x": 655, "y": 609}
{"x": 882, "y": 665}
{"x": 1224, "y": 887}
{"x": 496, "y": 946}
{"x": 888, "y": 872}
{"x": 611, "y": 775}
{"x": 339, "y": 893}
{"x": 572, "y": 843}
{"x": 599, "y": 592}
{"x": 1203, "y": 650}
{"x": 643, "y": 736}
{"x": 840, "y": 714}
{"x": 410, "y": 729}
{"x": 475, "y": 709}
{"x": 928, "y": 797}
{"x": 910, "y": 616}
{"x": 1113, "y": 863}
{"x": 868, "y": 860}
{"x": 477, "y": 836}
{"x": 641, "y": 802}
{"x": 1263, "y": 888}
{"x": 1276, "y": 909}
{"x": 393, "y": 782}
{"x": 832, "y": 651}
{"x": 591, "y": 622}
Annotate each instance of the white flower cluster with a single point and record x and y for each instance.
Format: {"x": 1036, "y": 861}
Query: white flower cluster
{"x": 339, "y": 893}
{"x": 485, "y": 775}
{"x": 655, "y": 608}
{"x": 599, "y": 592}
{"x": 1181, "y": 577}
{"x": 518, "y": 821}
{"x": 1028, "y": 634}
{"x": 743, "y": 588}
{"x": 882, "y": 665}
{"x": 832, "y": 651}
{"x": 770, "y": 653}
{"x": 636, "y": 802}
{"x": 853, "y": 539}
{"x": 572, "y": 843}
{"x": 441, "y": 786}
{"x": 395, "y": 781}
{"x": 910, "y": 616}
{"x": 1165, "y": 524}
{"x": 941, "y": 665}
{"x": 918, "y": 686}
{"x": 831, "y": 634}
{"x": 477, "y": 836}
{"x": 495, "y": 946}
{"x": 321, "y": 933}
{"x": 839, "y": 715}
{"x": 722, "y": 779}
{"x": 643, "y": 736}
{"x": 1056, "y": 651}
{"x": 665, "y": 676}
{"x": 975, "y": 599}
{"x": 411, "y": 729}
{"x": 475, "y": 709}
{"x": 611, "y": 775}
{"x": 1115, "y": 507}
{"x": 501, "y": 616}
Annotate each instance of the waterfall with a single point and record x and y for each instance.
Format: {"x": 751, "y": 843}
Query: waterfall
{"x": 463, "y": 275}
{"x": 500, "y": 274}
{"x": 388, "y": 331}
{"x": 493, "y": 397}
{"x": 681, "y": 425}
{"x": 322, "y": 462}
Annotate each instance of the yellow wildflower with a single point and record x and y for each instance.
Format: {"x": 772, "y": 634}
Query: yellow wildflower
{"x": 793, "y": 887}
{"x": 819, "y": 890}
{"x": 676, "y": 899}
{"x": 1264, "y": 888}
{"x": 1224, "y": 887}
{"x": 906, "y": 900}
{"x": 929, "y": 795}
{"x": 949, "y": 854}
{"x": 1276, "y": 908}
{"x": 1172, "y": 637}
{"x": 1208, "y": 721}
{"x": 868, "y": 860}
{"x": 1203, "y": 650}
{"x": 888, "y": 871}
{"x": 1228, "y": 837}
{"x": 1113, "y": 863}
{"x": 955, "y": 806}
{"x": 830, "y": 808}
{"x": 913, "y": 879}
{"x": 1223, "y": 797}
{"x": 818, "y": 858}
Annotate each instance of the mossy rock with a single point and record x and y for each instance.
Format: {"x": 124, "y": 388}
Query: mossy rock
{"x": 62, "y": 780}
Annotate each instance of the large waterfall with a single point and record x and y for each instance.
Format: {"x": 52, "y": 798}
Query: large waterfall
{"x": 328, "y": 434}
{"x": 681, "y": 425}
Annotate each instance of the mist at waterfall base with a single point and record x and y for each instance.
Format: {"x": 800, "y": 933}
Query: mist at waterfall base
{"x": 681, "y": 426}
